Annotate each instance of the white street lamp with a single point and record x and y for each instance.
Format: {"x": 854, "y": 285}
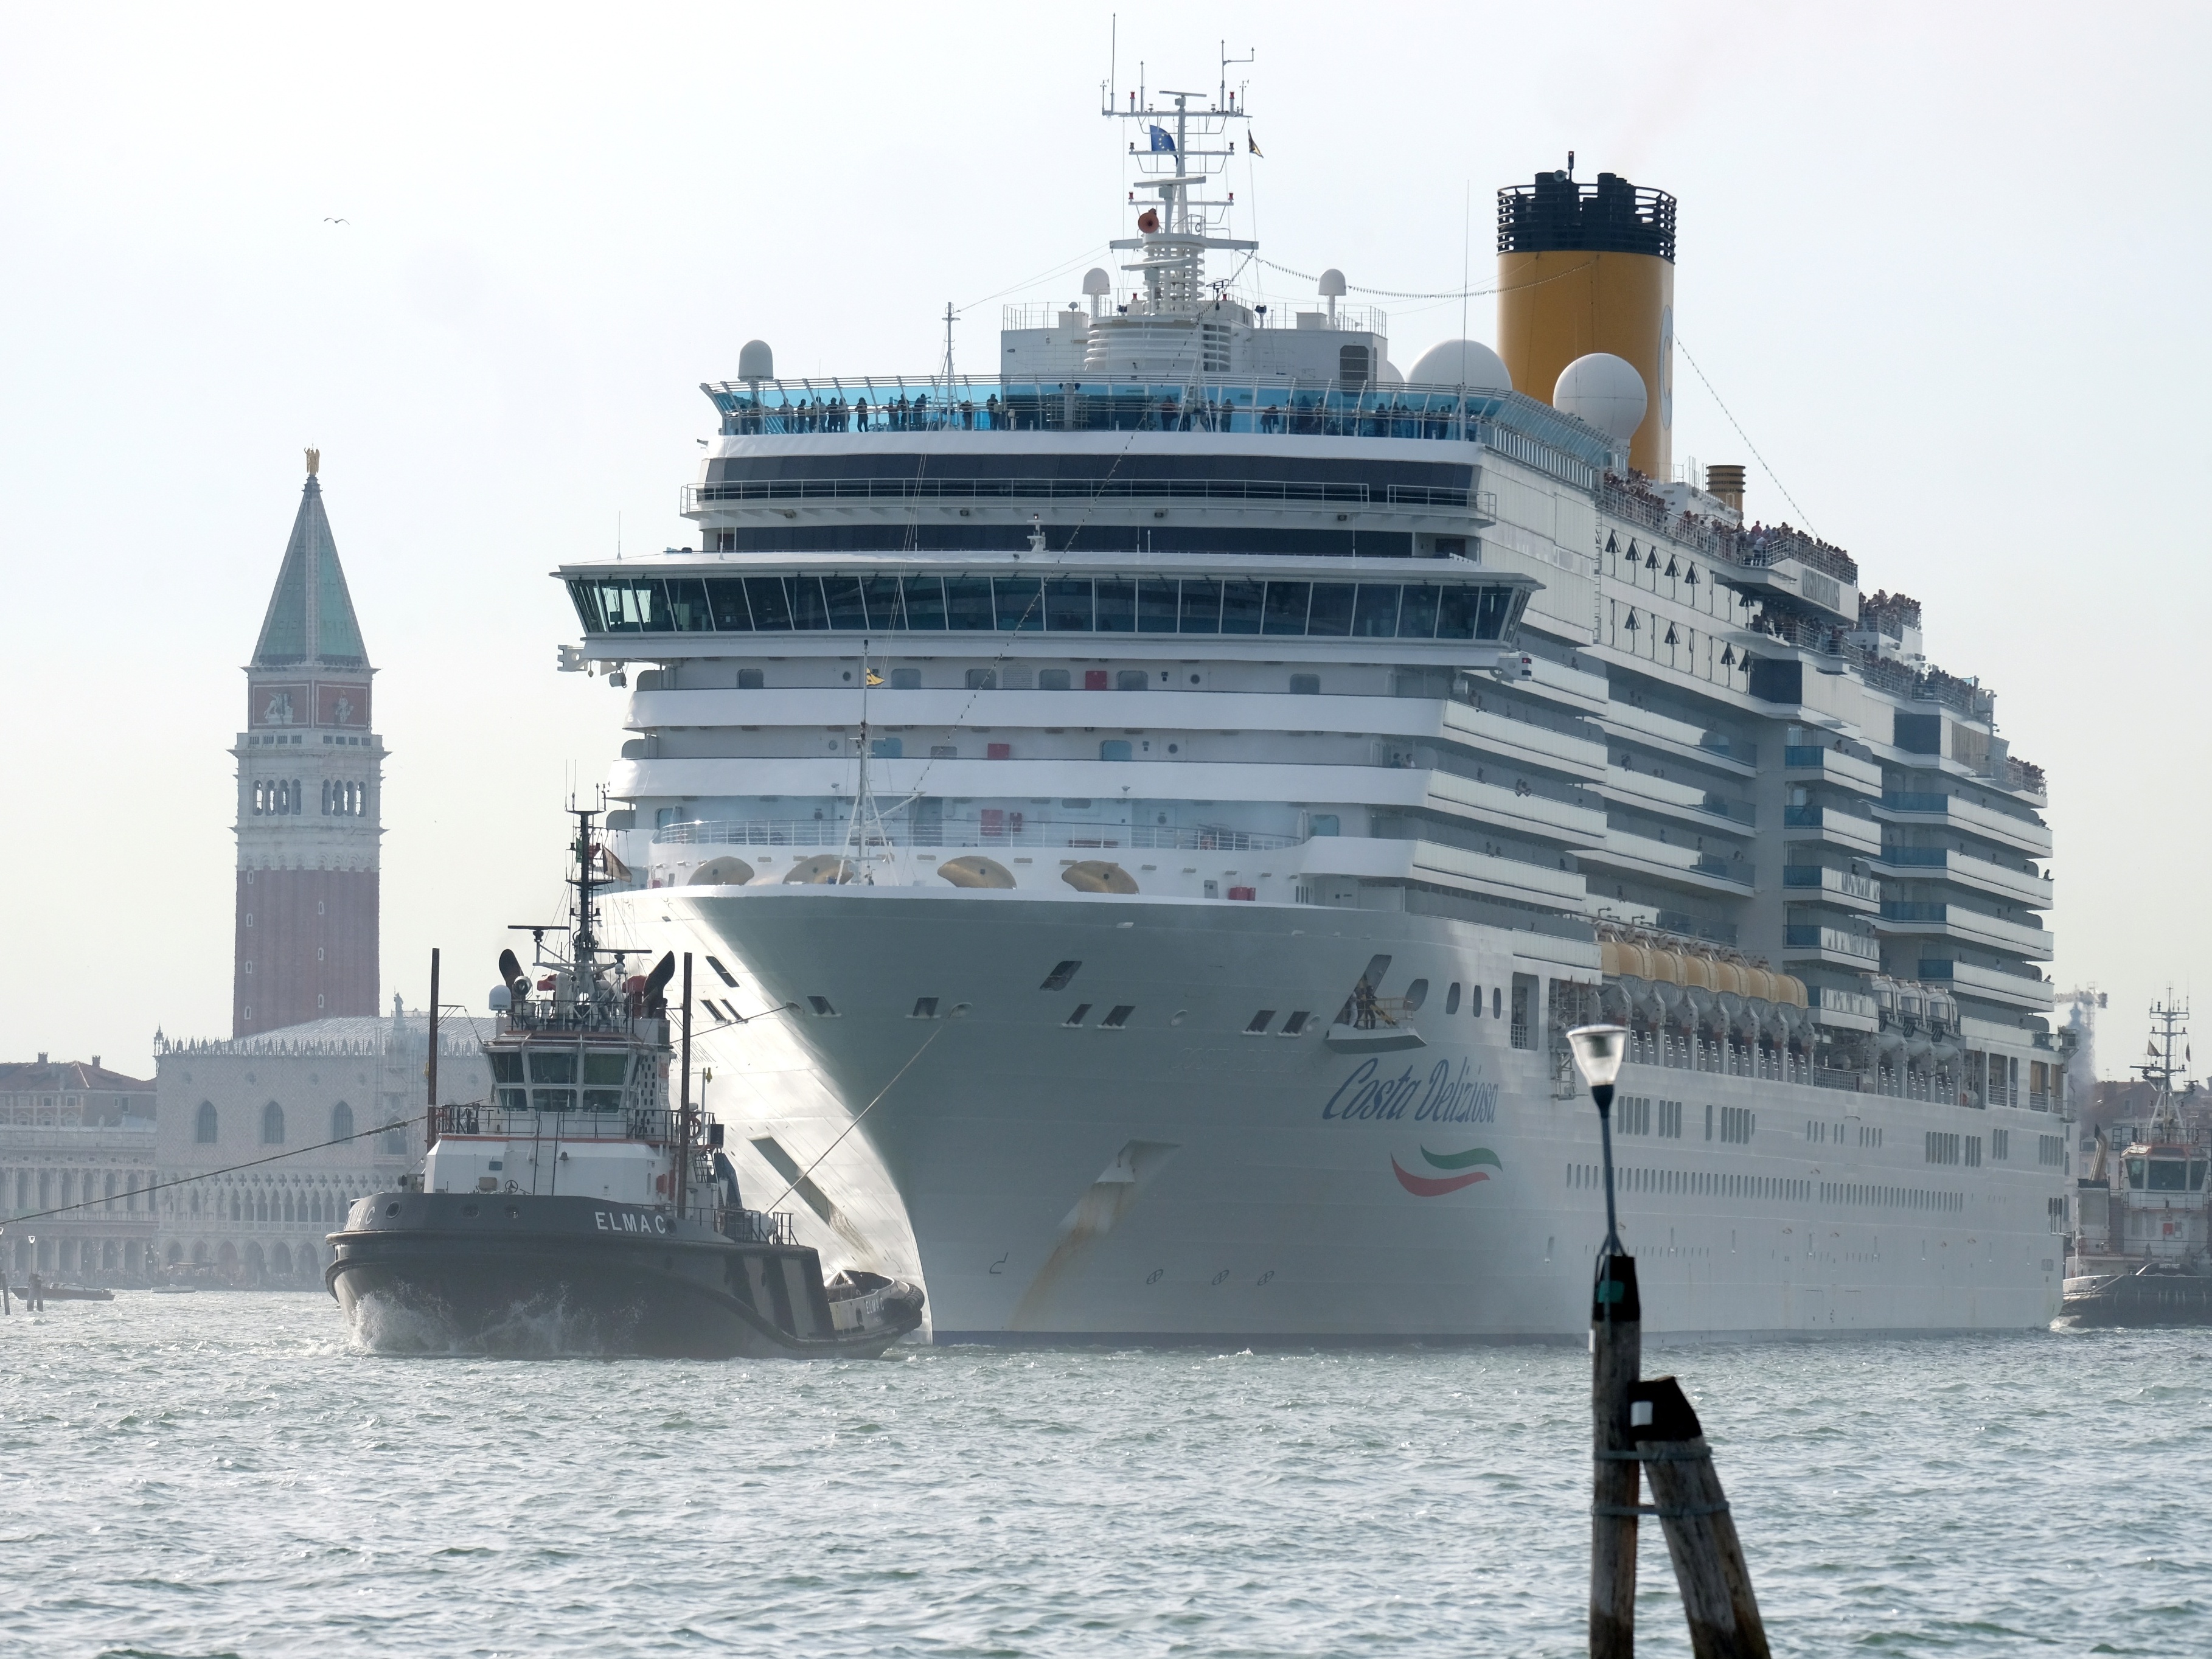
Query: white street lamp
{"x": 1599, "y": 1051}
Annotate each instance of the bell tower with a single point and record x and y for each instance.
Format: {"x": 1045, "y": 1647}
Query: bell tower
{"x": 310, "y": 797}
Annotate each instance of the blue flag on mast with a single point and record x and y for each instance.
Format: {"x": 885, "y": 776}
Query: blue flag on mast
{"x": 1162, "y": 140}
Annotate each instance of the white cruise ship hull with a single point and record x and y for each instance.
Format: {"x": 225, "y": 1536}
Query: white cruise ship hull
{"x": 1179, "y": 1179}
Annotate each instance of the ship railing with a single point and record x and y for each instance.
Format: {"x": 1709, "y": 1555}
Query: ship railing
{"x": 1258, "y": 314}
{"x": 655, "y": 1124}
{"x": 1198, "y": 402}
{"x": 752, "y": 1226}
{"x": 1007, "y": 830}
{"x": 1290, "y": 491}
{"x": 541, "y": 1014}
{"x": 1750, "y": 548}
{"x": 1374, "y": 1013}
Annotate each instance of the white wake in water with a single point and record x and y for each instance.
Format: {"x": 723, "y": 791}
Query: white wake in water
{"x": 541, "y": 1327}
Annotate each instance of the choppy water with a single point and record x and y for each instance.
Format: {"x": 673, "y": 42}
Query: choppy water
{"x": 210, "y": 1474}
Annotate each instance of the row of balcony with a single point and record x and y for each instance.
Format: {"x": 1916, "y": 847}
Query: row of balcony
{"x": 2025, "y": 834}
{"x": 2031, "y": 891}
{"x": 1831, "y": 766}
{"x": 1969, "y": 926}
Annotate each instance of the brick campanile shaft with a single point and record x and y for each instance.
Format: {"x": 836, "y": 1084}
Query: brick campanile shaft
{"x": 310, "y": 797}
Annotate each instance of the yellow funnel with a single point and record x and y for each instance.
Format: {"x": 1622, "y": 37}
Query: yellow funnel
{"x": 1585, "y": 268}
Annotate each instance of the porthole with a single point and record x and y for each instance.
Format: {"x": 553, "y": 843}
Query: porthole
{"x": 514, "y": 1212}
{"x": 470, "y": 1211}
{"x": 391, "y": 1208}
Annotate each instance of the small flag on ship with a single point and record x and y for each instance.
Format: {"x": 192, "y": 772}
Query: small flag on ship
{"x": 1161, "y": 139}
{"x": 1253, "y": 144}
{"x": 874, "y": 679}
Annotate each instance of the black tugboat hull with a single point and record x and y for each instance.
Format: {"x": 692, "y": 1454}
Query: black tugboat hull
{"x": 507, "y": 1273}
{"x": 2142, "y": 1300}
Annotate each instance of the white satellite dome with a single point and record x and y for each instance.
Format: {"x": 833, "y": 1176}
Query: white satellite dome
{"x": 1388, "y": 374}
{"x": 1463, "y": 363}
{"x": 1606, "y": 390}
{"x": 756, "y": 361}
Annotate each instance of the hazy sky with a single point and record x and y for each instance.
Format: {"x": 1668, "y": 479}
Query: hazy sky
{"x": 1947, "y": 265}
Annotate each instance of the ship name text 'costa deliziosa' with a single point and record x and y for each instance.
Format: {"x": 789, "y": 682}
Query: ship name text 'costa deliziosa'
{"x": 1148, "y": 815}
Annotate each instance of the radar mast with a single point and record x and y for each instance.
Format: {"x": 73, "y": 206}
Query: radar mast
{"x": 1180, "y": 148}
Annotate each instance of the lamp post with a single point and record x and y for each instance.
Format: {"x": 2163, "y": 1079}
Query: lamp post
{"x": 1599, "y": 1051}
{"x": 1644, "y": 1431}
{"x": 1616, "y": 1359}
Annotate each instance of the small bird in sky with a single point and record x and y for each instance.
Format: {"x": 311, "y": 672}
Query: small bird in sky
{"x": 328, "y": 221}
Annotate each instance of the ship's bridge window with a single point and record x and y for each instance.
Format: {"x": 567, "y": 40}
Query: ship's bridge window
{"x": 2135, "y": 1172}
{"x": 1103, "y": 604}
{"x": 506, "y": 1066}
{"x": 552, "y": 1065}
{"x": 2167, "y": 1173}
{"x": 607, "y": 1071}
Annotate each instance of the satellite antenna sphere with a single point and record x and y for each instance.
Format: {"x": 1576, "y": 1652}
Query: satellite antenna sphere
{"x": 1096, "y": 281}
{"x": 1332, "y": 284}
{"x": 1463, "y": 363}
{"x": 756, "y": 361}
{"x": 1605, "y": 390}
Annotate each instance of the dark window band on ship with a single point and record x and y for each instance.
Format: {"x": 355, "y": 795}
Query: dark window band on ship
{"x": 1031, "y": 604}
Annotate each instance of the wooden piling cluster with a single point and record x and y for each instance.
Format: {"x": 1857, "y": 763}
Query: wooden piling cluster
{"x": 1645, "y": 1431}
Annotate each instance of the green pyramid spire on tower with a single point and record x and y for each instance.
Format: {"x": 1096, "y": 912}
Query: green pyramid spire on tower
{"x": 310, "y": 617}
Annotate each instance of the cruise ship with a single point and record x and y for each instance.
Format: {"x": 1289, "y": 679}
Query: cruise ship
{"x": 1148, "y": 810}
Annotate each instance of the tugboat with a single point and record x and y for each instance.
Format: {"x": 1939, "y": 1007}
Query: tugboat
{"x": 2144, "y": 1219}
{"x": 578, "y": 1201}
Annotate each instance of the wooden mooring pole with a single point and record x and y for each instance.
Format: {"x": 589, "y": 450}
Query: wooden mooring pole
{"x": 1644, "y": 1431}
{"x": 1651, "y": 1427}
{"x": 1616, "y": 1354}
{"x": 1693, "y": 1511}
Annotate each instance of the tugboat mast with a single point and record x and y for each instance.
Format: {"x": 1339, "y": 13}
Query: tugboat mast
{"x": 2159, "y": 1068}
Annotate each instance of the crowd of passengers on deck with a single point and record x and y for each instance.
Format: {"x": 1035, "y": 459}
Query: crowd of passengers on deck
{"x": 1333, "y": 414}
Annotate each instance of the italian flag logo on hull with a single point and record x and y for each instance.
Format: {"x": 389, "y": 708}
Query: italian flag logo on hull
{"x": 1464, "y": 1169}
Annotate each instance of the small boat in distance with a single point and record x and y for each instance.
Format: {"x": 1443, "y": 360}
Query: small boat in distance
{"x": 580, "y": 1209}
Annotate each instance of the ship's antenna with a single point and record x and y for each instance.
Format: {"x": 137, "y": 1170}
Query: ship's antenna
{"x": 1222, "y": 97}
{"x": 1466, "y": 281}
{"x": 948, "y": 350}
{"x": 2160, "y": 1070}
{"x": 587, "y": 948}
